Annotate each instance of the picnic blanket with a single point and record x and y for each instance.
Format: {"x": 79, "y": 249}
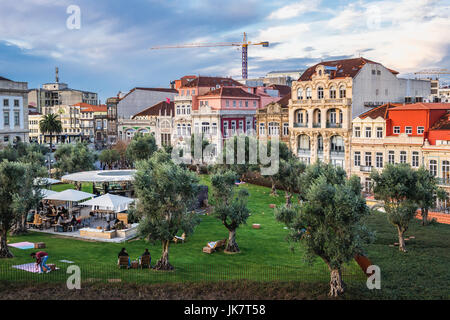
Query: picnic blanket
{"x": 212, "y": 244}
{"x": 30, "y": 267}
{"x": 22, "y": 245}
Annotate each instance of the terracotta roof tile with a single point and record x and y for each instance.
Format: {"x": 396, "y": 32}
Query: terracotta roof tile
{"x": 345, "y": 68}
{"x": 210, "y": 82}
{"x": 381, "y": 111}
{"x": 163, "y": 107}
{"x": 443, "y": 123}
{"x": 425, "y": 106}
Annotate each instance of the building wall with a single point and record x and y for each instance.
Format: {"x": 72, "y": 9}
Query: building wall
{"x": 273, "y": 113}
{"x": 138, "y": 100}
{"x": 13, "y": 91}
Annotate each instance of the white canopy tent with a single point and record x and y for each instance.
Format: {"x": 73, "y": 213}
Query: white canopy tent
{"x": 46, "y": 192}
{"x": 109, "y": 202}
{"x": 70, "y": 195}
{"x": 46, "y": 181}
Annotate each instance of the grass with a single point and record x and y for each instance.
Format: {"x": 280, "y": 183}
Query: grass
{"x": 265, "y": 259}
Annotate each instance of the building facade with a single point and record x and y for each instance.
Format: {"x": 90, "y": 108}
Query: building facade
{"x": 273, "y": 120}
{"x": 13, "y": 111}
{"x": 330, "y": 94}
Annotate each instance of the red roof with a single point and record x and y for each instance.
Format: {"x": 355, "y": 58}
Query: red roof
{"x": 85, "y": 107}
{"x": 162, "y": 108}
{"x": 344, "y": 68}
{"x": 424, "y": 106}
{"x": 209, "y": 82}
{"x": 282, "y": 89}
{"x": 381, "y": 111}
{"x": 443, "y": 123}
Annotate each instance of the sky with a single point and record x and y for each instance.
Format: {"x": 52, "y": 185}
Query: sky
{"x": 106, "y": 48}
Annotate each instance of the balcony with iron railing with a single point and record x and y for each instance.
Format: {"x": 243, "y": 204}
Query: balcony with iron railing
{"x": 182, "y": 98}
{"x": 333, "y": 125}
{"x": 300, "y": 125}
{"x": 303, "y": 152}
{"x": 317, "y": 125}
{"x": 337, "y": 153}
{"x": 340, "y": 101}
{"x": 365, "y": 168}
{"x": 443, "y": 181}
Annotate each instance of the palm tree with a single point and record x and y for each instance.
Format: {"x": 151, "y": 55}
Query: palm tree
{"x": 50, "y": 124}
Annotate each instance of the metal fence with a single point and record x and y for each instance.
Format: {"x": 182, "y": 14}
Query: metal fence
{"x": 181, "y": 273}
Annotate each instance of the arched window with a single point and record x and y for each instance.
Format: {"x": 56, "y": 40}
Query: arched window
{"x": 319, "y": 143}
{"x": 303, "y": 142}
{"x": 333, "y": 92}
{"x": 308, "y": 93}
{"x": 342, "y": 92}
{"x": 320, "y": 93}
{"x": 300, "y": 94}
{"x": 337, "y": 144}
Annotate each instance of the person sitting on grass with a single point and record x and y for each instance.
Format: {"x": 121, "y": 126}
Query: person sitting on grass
{"x": 41, "y": 258}
{"x": 124, "y": 253}
{"x": 146, "y": 253}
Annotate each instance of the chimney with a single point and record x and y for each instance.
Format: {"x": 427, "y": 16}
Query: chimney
{"x": 57, "y": 75}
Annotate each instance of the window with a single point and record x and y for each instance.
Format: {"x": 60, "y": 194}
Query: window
{"x": 205, "y": 127}
{"x": 214, "y": 128}
{"x": 368, "y": 132}
{"x": 332, "y": 93}
{"x": 377, "y": 91}
{"x": 241, "y": 126}
{"x": 227, "y": 103}
{"x": 189, "y": 129}
{"x": 262, "y": 129}
{"x": 342, "y": 92}
{"x": 300, "y": 94}
{"x": 16, "y": 103}
{"x": 357, "y": 159}
{"x": 368, "y": 159}
{"x": 246, "y": 104}
{"x": 391, "y": 157}
{"x": 374, "y": 71}
{"x": 5, "y": 102}
{"x": 285, "y": 129}
{"x": 433, "y": 168}
{"x": 408, "y": 130}
{"x": 379, "y": 132}
{"x": 233, "y": 126}
{"x": 415, "y": 159}
{"x": 179, "y": 130}
{"x": 379, "y": 160}
{"x": 446, "y": 171}
{"x": 308, "y": 93}
{"x": 240, "y": 103}
{"x": 183, "y": 131}
{"x": 6, "y": 118}
{"x": 402, "y": 156}
{"x": 274, "y": 129}
{"x": 254, "y": 104}
{"x": 420, "y": 130}
{"x": 234, "y": 103}
{"x": 319, "y": 93}
{"x": 378, "y": 72}
{"x": 193, "y": 92}
{"x": 225, "y": 128}
{"x": 357, "y": 132}
{"x": 396, "y": 130}
{"x": 337, "y": 144}
{"x": 368, "y": 185}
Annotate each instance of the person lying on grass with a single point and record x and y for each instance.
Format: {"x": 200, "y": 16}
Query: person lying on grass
{"x": 41, "y": 258}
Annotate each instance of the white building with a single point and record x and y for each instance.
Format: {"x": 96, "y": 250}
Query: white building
{"x": 13, "y": 111}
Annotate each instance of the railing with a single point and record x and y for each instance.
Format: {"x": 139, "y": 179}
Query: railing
{"x": 180, "y": 98}
{"x": 304, "y": 152}
{"x": 337, "y": 153}
{"x": 317, "y": 125}
{"x": 300, "y": 125}
{"x": 365, "y": 168}
{"x": 443, "y": 181}
{"x": 334, "y": 125}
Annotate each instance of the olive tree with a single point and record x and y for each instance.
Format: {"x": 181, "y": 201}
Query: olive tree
{"x": 74, "y": 158}
{"x": 109, "y": 157}
{"x": 141, "y": 147}
{"x": 11, "y": 192}
{"x": 290, "y": 177}
{"x": 328, "y": 223}
{"x": 397, "y": 185}
{"x": 165, "y": 193}
{"x": 230, "y": 207}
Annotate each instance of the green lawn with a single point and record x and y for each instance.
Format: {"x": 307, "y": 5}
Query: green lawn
{"x": 265, "y": 256}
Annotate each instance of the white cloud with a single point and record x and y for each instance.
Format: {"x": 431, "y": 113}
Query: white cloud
{"x": 405, "y": 35}
{"x": 295, "y": 9}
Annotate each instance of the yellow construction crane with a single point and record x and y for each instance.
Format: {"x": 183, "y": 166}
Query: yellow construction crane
{"x": 244, "y": 45}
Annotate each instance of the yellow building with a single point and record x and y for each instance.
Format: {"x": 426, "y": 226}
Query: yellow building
{"x": 320, "y": 117}
{"x": 273, "y": 120}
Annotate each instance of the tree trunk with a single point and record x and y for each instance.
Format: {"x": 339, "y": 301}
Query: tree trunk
{"x": 4, "y": 250}
{"x": 50, "y": 157}
{"x": 424, "y": 216}
{"x": 337, "y": 286}
{"x": 232, "y": 246}
{"x": 273, "y": 191}
{"x": 401, "y": 239}
{"x": 20, "y": 227}
{"x": 163, "y": 262}
{"x": 288, "y": 197}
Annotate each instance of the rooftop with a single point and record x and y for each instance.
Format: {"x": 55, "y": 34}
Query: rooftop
{"x": 4, "y": 79}
{"x": 341, "y": 68}
{"x": 162, "y": 107}
{"x": 168, "y": 90}
{"x": 381, "y": 111}
{"x": 202, "y": 81}
{"x": 229, "y": 92}
{"x": 85, "y": 107}
{"x": 443, "y": 123}
{"x": 424, "y": 106}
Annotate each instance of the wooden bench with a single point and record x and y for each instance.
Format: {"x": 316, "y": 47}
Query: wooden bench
{"x": 181, "y": 239}
{"x": 145, "y": 262}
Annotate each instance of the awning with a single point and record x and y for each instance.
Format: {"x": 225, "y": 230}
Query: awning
{"x": 109, "y": 202}
{"x": 70, "y": 195}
